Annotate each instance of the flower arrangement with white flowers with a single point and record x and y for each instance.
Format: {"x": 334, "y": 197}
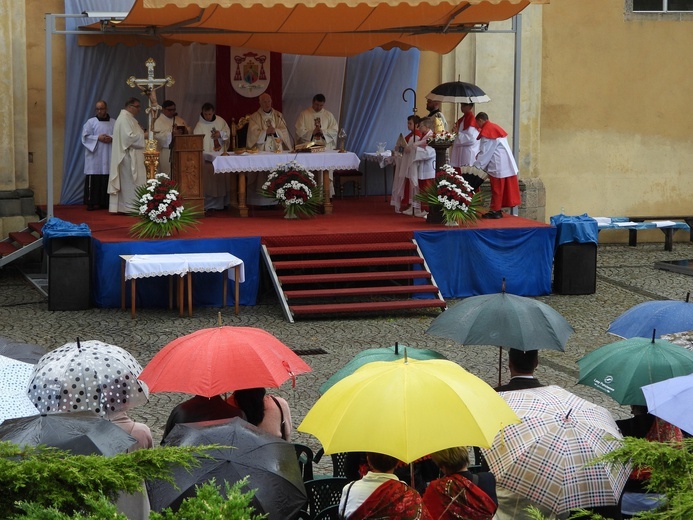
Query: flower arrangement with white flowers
{"x": 457, "y": 199}
{"x": 295, "y": 188}
{"x": 442, "y": 138}
{"x": 159, "y": 207}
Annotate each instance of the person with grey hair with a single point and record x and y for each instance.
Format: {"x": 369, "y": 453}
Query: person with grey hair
{"x": 97, "y": 136}
{"x": 267, "y": 128}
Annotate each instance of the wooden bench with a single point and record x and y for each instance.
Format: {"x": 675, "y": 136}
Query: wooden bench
{"x": 686, "y": 218}
{"x": 669, "y": 230}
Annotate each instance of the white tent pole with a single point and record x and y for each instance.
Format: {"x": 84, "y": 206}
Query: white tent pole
{"x": 49, "y": 114}
{"x": 517, "y": 25}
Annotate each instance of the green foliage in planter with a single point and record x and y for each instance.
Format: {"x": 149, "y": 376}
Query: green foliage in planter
{"x": 51, "y": 478}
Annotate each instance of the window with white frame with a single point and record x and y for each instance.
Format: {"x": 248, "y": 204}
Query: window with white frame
{"x": 662, "y": 6}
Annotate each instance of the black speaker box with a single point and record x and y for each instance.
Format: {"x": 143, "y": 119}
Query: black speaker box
{"x": 575, "y": 269}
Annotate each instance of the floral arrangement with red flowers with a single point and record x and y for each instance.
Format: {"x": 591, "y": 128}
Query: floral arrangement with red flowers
{"x": 294, "y": 188}
{"x": 457, "y": 199}
{"x": 159, "y": 207}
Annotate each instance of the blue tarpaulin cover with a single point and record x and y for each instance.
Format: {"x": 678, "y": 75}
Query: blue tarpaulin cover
{"x": 580, "y": 228}
{"x": 55, "y": 228}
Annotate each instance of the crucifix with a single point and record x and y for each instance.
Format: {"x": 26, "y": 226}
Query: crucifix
{"x": 148, "y": 85}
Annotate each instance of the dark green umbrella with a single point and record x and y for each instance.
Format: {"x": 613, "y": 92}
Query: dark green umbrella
{"x": 378, "y": 354}
{"x": 620, "y": 369}
{"x": 503, "y": 320}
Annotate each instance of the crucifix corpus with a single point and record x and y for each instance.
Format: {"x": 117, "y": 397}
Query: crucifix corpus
{"x": 148, "y": 85}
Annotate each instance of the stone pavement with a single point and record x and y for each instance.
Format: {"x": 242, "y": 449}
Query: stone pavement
{"x": 626, "y": 277}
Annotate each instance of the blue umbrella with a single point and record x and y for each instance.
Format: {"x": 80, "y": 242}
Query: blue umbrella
{"x": 664, "y": 316}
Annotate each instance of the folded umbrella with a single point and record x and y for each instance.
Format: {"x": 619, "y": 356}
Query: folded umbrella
{"x": 672, "y": 400}
{"x": 269, "y": 463}
{"x": 214, "y": 361}
{"x": 407, "y": 409}
{"x": 622, "y": 368}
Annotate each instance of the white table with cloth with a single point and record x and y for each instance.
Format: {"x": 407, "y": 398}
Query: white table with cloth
{"x": 268, "y": 161}
{"x": 181, "y": 265}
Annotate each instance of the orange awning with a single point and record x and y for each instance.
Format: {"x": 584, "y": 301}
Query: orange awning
{"x": 308, "y": 27}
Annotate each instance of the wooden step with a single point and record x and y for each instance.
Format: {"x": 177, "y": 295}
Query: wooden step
{"x": 341, "y": 248}
{"x": 335, "y": 308}
{"x": 37, "y": 227}
{"x": 7, "y": 248}
{"x": 23, "y": 238}
{"x": 361, "y": 291}
{"x": 353, "y": 277}
{"x": 348, "y": 262}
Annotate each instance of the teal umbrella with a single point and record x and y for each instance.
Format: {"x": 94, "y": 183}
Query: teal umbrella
{"x": 620, "y": 369}
{"x": 378, "y": 354}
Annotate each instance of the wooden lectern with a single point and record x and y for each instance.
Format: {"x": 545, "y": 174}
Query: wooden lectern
{"x": 186, "y": 170}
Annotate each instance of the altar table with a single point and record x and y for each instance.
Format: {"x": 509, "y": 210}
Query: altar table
{"x": 181, "y": 265}
{"x": 268, "y": 161}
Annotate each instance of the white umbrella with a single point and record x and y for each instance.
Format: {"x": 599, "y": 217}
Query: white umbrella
{"x": 87, "y": 376}
{"x": 672, "y": 400}
{"x": 14, "y": 378}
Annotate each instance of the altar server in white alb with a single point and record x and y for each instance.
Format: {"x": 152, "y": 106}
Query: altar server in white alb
{"x": 267, "y": 128}
{"x": 217, "y": 135}
{"x": 127, "y": 159}
{"x": 496, "y": 158}
{"x": 466, "y": 145}
{"x": 418, "y": 161}
{"x": 318, "y": 125}
{"x": 97, "y": 136}
{"x": 167, "y": 125}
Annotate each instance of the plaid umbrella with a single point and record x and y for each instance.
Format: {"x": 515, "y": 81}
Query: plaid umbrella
{"x": 547, "y": 458}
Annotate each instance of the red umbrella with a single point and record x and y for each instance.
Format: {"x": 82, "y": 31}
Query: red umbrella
{"x": 214, "y": 361}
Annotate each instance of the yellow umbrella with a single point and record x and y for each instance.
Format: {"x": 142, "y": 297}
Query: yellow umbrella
{"x": 407, "y": 409}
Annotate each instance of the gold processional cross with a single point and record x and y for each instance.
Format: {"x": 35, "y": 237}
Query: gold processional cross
{"x": 148, "y": 85}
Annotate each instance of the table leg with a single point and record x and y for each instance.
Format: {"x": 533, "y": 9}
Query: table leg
{"x": 242, "y": 195}
{"x": 237, "y": 283}
{"x": 189, "y": 275}
{"x": 224, "y": 287}
{"x": 122, "y": 284}
{"x": 170, "y": 292}
{"x": 181, "y": 291}
{"x": 327, "y": 203}
{"x": 133, "y": 291}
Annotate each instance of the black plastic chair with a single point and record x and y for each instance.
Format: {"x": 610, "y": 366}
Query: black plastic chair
{"x": 305, "y": 461}
{"x": 329, "y": 513}
{"x": 338, "y": 462}
{"x": 323, "y": 493}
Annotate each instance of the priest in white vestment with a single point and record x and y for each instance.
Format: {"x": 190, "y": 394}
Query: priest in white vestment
{"x": 217, "y": 135}
{"x": 166, "y": 125}
{"x": 318, "y": 125}
{"x": 127, "y": 170}
{"x": 97, "y": 135}
{"x": 267, "y": 132}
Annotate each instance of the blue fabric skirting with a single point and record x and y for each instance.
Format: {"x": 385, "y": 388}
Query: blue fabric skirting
{"x": 469, "y": 262}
